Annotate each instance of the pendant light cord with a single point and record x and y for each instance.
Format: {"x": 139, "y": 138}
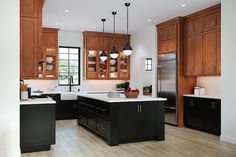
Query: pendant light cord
{"x": 103, "y": 33}
{"x": 127, "y": 23}
{"x": 114, "y": 27}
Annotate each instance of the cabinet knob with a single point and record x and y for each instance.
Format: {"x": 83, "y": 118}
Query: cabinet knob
{"x": 191, "y": 102}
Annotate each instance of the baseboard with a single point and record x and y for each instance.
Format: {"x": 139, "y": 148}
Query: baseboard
{"x": 228, "y": 139}
{"x": 10, "y": 153}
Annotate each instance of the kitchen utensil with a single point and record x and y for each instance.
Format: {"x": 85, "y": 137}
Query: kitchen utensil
{"x": 131, "y": 94}
{"x": 196, "y": 90}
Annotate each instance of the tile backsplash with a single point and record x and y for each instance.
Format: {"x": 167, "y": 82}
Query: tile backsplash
{"x": 211, "y": 83}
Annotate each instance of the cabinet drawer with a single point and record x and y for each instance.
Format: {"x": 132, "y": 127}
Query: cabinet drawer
{"x": 101, "y": 126}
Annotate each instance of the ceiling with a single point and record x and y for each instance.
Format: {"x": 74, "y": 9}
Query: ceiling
{"x": 85, "y": 15}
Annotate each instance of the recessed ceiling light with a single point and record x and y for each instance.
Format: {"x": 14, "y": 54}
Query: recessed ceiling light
{"x": 149, "y": 20}
{"x": 66, "y": 10}
{"x": 56, "y": 23}
{"x": 183, "y": 5}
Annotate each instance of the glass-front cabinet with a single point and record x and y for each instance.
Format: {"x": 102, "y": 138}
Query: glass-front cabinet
{"x": 110, "y": 69}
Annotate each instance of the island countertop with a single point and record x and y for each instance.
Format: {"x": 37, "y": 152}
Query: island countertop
{"x": 38, "y": 101}
{"x": 122, "y": 98}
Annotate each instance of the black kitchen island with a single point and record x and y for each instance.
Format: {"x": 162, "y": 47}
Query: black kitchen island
{"x": 122, "y": 120}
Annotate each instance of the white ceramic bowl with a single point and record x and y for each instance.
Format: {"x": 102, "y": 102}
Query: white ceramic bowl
{"x": 49, "y": 67}
{"x": 49, "y": 59}
{"x": 113, "y": 62}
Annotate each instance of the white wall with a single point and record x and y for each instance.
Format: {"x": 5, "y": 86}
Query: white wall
{"x": 144, "y": 45}
{"x": 228, "y": 56}
{"x": 74, "y": 39}
{"x": 211, "y": 83}
{"x": 9, "y": 80}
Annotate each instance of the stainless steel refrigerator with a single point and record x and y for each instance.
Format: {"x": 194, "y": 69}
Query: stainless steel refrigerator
{"x": 167, "y": 85}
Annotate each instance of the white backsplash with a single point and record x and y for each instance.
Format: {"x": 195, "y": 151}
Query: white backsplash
{"x": 211, "y": 83}
{"x": 87, "y": 85}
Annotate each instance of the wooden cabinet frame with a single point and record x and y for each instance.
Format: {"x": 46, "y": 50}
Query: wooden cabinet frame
{"x": 93, "y": 43}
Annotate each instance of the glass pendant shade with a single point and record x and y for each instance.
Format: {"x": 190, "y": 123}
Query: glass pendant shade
{"x": 103, "y": 55}
{"x": 114, "y": 53}
{"x": 127, "y": 50}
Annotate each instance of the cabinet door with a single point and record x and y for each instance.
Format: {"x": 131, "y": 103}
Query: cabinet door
{"x": 172, "y": 31}
{"x": 121, "y": 43}
{"x": 50, "y": 40}
{"x": 210, "y": 44}
{"x": 163, "y": 34}
{"x": 211, "y": 22}
{"x": 172, "y": 45}
{"x": 189, "y": 55}
{"x": 147, "y": 119}
{"x": 193, "y": 27}
{"x": 28, "y": 8}
{"x": 91, "y": 43}
{"x": 128, "y": 120}
{"x": 198, "y": 54}
{"x": 163, "y": 46}
{"x": 37, "y": 125}
{"x": 28, "y": 47}
{"x": 211, "y": 116}
{"x": 191, "y": 113}
{"x": 67, "y": 109}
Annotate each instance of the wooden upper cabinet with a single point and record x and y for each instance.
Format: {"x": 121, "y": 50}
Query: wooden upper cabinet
{"x": 95, "y": 69}
{"x": 193, "y": 55}
{"x": 211, "y": 52}
{"x": 211, "y": 22}
{"x": 189, "y": 55}
{"x": 202, "y": 49}
{"x": 91, "y": 43}
{"x": 29, "y": 8}
{"x": 168, "y": 32}
{"x": 50, "y": 39}
{"x": 28, "y": 47}
{"x": 172, "y": 30}
{"x": 193, "y": 27}
{"x": 163, "y": 34}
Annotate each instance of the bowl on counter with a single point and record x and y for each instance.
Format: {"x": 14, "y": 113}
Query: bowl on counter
{"x": 131, "y": 94}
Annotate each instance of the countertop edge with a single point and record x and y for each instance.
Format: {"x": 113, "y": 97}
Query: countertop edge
{"x": 203, "y": 96}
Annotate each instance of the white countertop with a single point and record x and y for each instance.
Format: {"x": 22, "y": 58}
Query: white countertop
{"x": 203, "y": 96}
{"x": 122, "y": 98}
{"x": 38, "y": 101}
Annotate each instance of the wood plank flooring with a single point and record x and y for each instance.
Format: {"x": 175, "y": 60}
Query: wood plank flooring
{"x": 76, "y": 141}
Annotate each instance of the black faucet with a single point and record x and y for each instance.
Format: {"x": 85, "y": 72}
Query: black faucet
{"x": 71, "y": 83}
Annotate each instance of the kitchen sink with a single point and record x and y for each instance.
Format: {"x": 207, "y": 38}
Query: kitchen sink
{"x": 69, "y": 96}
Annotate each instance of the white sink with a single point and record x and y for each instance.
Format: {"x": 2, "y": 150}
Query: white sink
{"x": 69, "y": 96}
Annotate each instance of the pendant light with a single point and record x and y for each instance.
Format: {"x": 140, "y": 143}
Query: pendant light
{"x": 103, "y": 55}
{"x": 127, "y": 50}
{"x": 114, "y": 51}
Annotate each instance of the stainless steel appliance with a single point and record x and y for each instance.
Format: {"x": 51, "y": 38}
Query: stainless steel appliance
{"x": 167, "y": 85}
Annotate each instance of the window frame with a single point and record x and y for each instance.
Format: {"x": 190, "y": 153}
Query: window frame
{"x": 146, "y": 65}
{"x": 79, "y": 64}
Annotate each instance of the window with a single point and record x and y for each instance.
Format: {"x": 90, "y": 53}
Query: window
{"x": 148, "y": 64}
{"x": 69, "y": 65}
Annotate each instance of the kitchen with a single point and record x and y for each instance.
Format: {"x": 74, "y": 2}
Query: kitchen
{"x": 144, "y": 44}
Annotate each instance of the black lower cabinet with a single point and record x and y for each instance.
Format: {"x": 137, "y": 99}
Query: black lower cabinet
{"x": 203, "y": 114}
{"x": 65, "y": 109}
{"x": 37, "y": 127}
{"x": 124, "y": 121}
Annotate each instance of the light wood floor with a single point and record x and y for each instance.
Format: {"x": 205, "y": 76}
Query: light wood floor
{"x": 76, "y": 141}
